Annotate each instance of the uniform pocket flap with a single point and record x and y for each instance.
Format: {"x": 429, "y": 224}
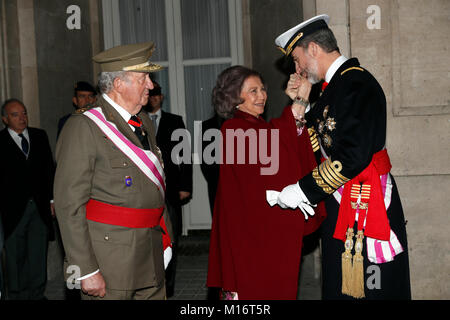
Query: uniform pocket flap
{"x": 107, "y": 233}
{"x": 119, "y": 163}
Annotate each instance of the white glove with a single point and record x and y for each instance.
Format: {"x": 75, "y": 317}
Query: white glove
{"x": 167, "y": 256}
{"x": 291, "y": 197}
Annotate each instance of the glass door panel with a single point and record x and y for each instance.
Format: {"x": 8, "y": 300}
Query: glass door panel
{"x": 143, "y": 20}
{"x": 205, "y": 29}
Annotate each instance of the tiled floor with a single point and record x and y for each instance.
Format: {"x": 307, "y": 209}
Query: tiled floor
{"x": 190, "y": 281}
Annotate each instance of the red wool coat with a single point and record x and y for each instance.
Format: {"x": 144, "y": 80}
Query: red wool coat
{"x": 255, "y": 249}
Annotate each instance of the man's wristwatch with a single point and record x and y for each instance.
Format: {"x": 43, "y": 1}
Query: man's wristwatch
{"x": 301, "y": 101}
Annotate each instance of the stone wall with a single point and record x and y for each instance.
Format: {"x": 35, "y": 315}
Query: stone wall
{"x": 268, "y": 18}
{"x": 63, "y": 56}
{"x": 405, "y": 45}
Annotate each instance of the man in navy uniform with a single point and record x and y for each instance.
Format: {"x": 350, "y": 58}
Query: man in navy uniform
{"x": 347, "y": 127}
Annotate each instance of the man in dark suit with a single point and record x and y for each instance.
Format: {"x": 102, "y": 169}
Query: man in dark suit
{"x": 2, "y": 242}
{"x": 211, "y": 171}
{"x": 178, "y": 176}
{"x": 26, "y": 186}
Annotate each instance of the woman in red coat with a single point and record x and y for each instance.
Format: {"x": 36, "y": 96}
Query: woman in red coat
{"x": 255, "y": 249}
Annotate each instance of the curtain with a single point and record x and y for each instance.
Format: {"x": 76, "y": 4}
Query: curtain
{"x": 205, "y": 29}
{"x": 144, "y": 20}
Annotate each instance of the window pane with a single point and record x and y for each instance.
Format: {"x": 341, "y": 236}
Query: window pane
{"x": 143, "y": 20}
{"x": 199, "y": 82}
{"x": 205, "y": 29}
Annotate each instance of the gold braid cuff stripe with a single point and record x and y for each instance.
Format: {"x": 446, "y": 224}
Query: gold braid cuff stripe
{"x": 319, "y": 181}
{"x": 313, "y": 138}
{"x": 336, "y": 168}
{"x": 329, "y": 170}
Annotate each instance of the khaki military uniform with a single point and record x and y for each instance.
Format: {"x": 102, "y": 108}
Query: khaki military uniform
{"x": 90, "y": 166}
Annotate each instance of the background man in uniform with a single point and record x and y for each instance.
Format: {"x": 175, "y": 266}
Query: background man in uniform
{"x": 349, "y": 122}
{"x": 84, "y": 94}
{"x": 110, "y": 210}
{"x": 26, "y": 186}
{"x": 178, "y": 176}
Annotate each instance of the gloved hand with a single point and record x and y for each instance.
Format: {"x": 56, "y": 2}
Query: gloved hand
{"x": 291, "y": 197}
{"x": 167, "y": 256}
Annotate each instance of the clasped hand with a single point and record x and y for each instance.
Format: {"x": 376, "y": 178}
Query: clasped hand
{"x": 298, "y": 86}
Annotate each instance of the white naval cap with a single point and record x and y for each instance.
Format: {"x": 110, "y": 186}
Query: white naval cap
{"x": 287, "y": 40}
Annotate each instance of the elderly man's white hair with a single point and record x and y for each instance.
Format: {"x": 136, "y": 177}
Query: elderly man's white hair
{"x": 106, "y": 80}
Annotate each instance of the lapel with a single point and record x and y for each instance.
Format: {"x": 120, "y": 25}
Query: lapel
{"x": 147, "y": 124}
{"x": 34, "y": 145}
{"x": 112, "y": 115}
{"x": 162, "y": 122}
{"x": 12, "y": 146}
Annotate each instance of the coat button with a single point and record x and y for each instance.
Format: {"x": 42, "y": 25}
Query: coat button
{"x": 106, "y": 238}
{"x": 124, "y": 164}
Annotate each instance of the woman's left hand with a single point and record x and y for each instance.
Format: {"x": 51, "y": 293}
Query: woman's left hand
{"x": 298, "y": 111}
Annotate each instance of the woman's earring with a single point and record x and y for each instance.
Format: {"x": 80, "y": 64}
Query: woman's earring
{"x": 237, "y": 107}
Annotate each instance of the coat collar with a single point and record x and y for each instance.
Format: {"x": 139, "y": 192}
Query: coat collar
{"x": 238, "y": 114}
{"x": 112, "y": 115}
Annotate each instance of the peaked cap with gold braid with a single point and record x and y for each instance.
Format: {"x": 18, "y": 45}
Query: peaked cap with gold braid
{"x": 287, "y": 40}
{"x": 130, "y": 57}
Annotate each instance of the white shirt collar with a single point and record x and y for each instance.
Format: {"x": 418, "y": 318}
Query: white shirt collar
{"x": 123, "y": 113}
{"x": 333, "y": 68}
{"x": 15, "y": 135}
{"x": 158, "y": 113}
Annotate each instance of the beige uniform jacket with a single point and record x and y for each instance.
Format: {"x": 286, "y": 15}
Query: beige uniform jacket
{"x": 90, "y": 166}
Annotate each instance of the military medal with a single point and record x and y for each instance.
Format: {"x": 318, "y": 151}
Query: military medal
{"x": 331, "y": 124}
{"x": 327, "y": 140}
{"x": 320, "y": 127}
{"x": 128, "y": 181}
{"x": 325, "y": 111}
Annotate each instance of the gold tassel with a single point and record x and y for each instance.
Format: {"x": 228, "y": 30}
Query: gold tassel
{"x": 357, "y": 288}
{"x": 347, "y": 263}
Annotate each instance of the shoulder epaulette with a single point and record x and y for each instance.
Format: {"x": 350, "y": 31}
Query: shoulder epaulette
{"x": 351, "y": 68}
{"x": 82, "y": 110}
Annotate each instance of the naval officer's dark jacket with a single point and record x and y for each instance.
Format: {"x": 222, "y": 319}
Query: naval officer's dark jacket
{"x": 349, "y": 123}
{"x": 90, "y": 166}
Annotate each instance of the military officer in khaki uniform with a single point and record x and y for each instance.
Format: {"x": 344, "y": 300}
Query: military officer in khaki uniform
{"x": 109, "y": 205}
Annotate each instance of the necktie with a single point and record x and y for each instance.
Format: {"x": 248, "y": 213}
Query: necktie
{"x": 154, "y": 117}
{"x": 324, "y": 85}
{"x": 140, "y": 133}
{"x": 25, "y": 145}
